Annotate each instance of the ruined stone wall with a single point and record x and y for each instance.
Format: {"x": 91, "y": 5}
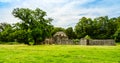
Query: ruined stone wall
{"x": 102, "y": 42}
{"x": 81, "y": 42}
{"x": 65, "y": 42}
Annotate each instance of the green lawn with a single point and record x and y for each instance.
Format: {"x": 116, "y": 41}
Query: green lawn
{"x": 59, "y": 54}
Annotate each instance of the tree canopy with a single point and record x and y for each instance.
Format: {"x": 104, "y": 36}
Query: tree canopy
{"x": 98, "y": 28}
{"x": 35, "y": 27}
{"x": 33, "y": 23}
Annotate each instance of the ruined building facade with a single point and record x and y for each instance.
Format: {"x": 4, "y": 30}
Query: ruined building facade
{"x": 60, "y": 38}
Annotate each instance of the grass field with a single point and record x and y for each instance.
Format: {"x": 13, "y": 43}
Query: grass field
{"x": 59, "y": 54}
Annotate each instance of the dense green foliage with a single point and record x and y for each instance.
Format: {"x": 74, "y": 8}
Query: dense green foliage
{"x": 5, "y": 32}
{"x": 33, "y": 24}
{"x": 35, "y": 27}
{"x": 59, "y": 54}
{"x": 87, "y": 37}
{"x": 98, "y": 28}
{"x": 70, "y": 33}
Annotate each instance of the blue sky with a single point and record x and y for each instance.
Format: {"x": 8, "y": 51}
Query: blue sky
{"x": 65, "y": 13}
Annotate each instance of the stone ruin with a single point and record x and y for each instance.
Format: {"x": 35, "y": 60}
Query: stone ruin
{"x": 97, "y": 42}
{"x": 48, "y": 41}
{"x": 60, "y": 38}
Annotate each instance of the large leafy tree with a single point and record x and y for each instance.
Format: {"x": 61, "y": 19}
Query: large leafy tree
{"x": 70, "y": 33}
{"x": 34, "y": 23}
{"x": 104, "y": 28}
{"x": 101, "y": 26}
{"x": 98, "y": 28}
{"x": 83, "y": 27}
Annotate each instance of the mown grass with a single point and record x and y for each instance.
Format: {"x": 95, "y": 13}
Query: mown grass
{"x": 59, "y": 54}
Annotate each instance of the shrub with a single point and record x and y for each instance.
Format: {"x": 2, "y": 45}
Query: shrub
{"x": 87, "y": 37}
{"x": 76, "y": 41}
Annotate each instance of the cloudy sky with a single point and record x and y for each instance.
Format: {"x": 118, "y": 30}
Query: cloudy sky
{"x": 65, "y": 13}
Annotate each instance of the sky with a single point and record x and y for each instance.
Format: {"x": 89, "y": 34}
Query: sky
{"x": 66, "y": 13}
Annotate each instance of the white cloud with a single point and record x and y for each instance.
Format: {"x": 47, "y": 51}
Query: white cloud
{"x": 64, "y": 12}
{"x": 6, "y": 16}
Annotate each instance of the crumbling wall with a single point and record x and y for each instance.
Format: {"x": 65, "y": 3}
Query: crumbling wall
{"x": 83, "y": 41}
{"x": 102, "y": 42}
{"x": 60, "y": 38}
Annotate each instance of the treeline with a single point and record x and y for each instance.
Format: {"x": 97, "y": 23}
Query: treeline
{"x": 99, "y": 28}
{"x": 34, "y": 27}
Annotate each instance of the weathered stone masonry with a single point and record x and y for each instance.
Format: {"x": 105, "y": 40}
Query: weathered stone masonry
{"x": 60, "y": 38}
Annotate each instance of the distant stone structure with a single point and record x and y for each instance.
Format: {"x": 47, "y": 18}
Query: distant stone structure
{"x": 60, "y": 38}
{"x": 97, "y": 42}
{"x": 48, "y": 41}
{"x": 83, "y": 41}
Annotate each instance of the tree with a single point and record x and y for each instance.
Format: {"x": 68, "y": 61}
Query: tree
{"x": 20, "y": 36}
{"x": 117, "y": 32}
{"x": 98, "y": 28}
{"x": 83, "y": 27}
{"x": 35, "y": 22}
{"x": 70, "y": 33}
{"x": 104, "y": 27}
{"x": 5, "y": 31}
{"x": 117, "y": 35}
